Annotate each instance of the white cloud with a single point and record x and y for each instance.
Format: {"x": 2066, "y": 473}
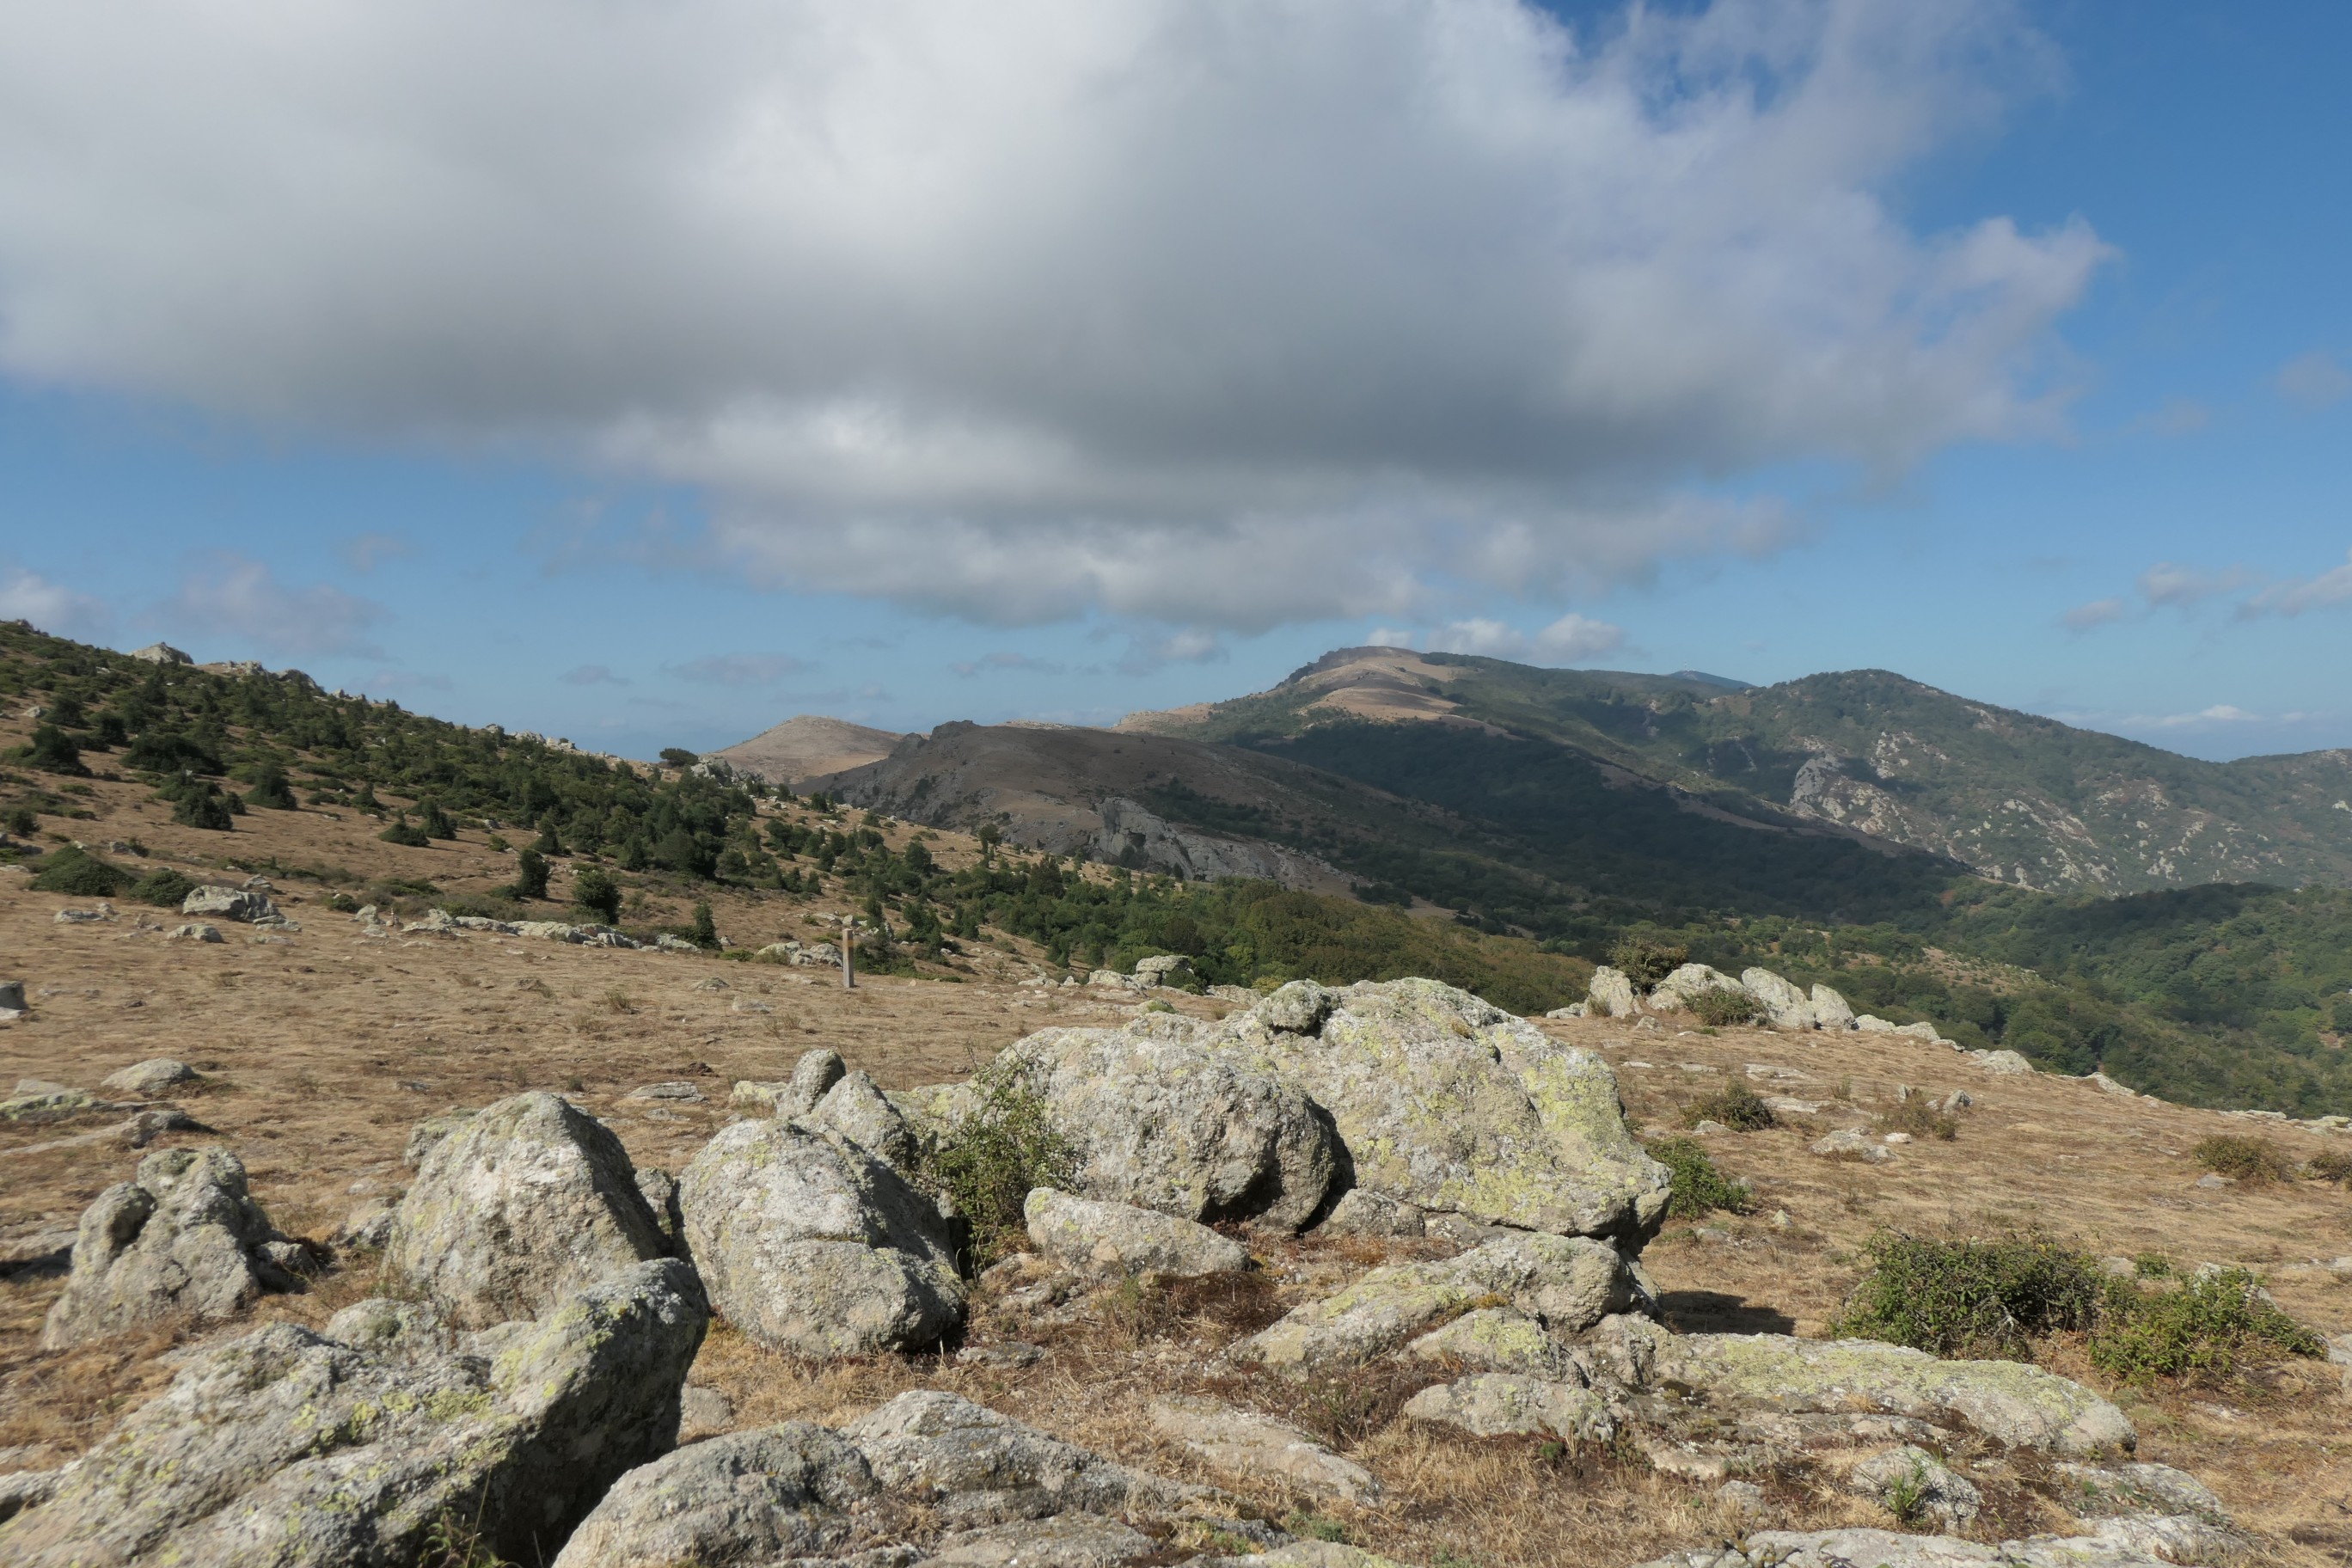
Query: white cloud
{"x": 1571, "y": 639}
{"x": 51, "y": 607}
{"x": 2297, "y": 596}
{"x": 992, "y": 662}
{"x": 738, "y": 668}
{"x": 1212, "y": 314}
{"x": 2181, "y": 587}
{"x": 2097, "y": 612}
{"x": 2314, "y": 381}
{"x": 1147, "y": 652}
{"x": 229, "y": 597}
{"x": 2220, "y": 713}
{"x": 591, "y": 675}
{"x": 367, "y": 552}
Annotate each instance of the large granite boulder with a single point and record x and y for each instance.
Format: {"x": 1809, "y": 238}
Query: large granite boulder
{"x": 1676, "y": 991}
{"x": 1084, "y": 1234}
{"x": 810, "y": 1243}
{"x": 747, "y": 1498}
{"x": 516, "y": 1208}
{"x": 229, "y": 904}
{"x": 1612, "y": 993}
{"x": 1162, "y": 1123}
{"x": 287, "y": 1448}
{"x": 1785, "y": 1006}
{"x": 856, "y": 1108}
{"x": 973, "y": 1466}
{"x": 181, "y": 1236}
{"x": 1448, "y": 1103}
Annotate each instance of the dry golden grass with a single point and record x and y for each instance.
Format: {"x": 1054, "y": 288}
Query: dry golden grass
{"x": 322, "y": 1049}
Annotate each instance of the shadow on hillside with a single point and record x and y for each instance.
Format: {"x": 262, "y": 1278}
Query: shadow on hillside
{"x": 1715, "y": 1312}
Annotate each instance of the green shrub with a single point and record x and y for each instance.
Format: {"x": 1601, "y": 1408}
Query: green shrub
{"x": 164, "y": 887}
{"x": 1736, "y": 1106}
{"x": 1698, "y": 1187}
{"x": 271, "y": 789}
{"x": 678, "y": 757}
{"x": 23, "y": 822}
{"x": 435, "y": 821}
{"x": 198, "y": 802}
{"x": 1719, "y": 1006}
{"x": 407, "y": 834}
{"x": 52, "y": 751}
{"x": 1918, "y": 1115}
{"x": 990, "y": 1164}
{"x": 79, "y": 874}
{"x": 2243, "y": 1157}
{"x": 594, "y": 891}
{"x": 1646, "y": 961}
{"x": 2201, "y": 1330}
{"x": 2331, "y": 1166}
{"x": 1970, "y": 1298}
{"x": 531, "y": 875}
{"x": 705, "y": 931}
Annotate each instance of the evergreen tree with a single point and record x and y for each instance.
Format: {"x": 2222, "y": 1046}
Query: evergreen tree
{"x": 706, "y": 930}
{"x": 595, "y": 890}
{"x": 531, "y": 875}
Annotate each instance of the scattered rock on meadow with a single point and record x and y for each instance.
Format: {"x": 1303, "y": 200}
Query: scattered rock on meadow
{"x": 975, "y": 1465}
{"x": 525, "y": 1203}
{"x": 181, "y": 1236}
{"x": 1082, "y": 1234}
{"x": 1499, "y": 1339}
{"x": 145, "y": 1079}
{"x": 1612, "y": 993}
{"x": 1850, "y": 1143}
{"x": 1254, "y": 1445}
{"x": 229, "y": 904}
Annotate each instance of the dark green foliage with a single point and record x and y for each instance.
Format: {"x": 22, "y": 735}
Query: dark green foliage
{"x": 52, "y": 751}
{"x": 1645, "y": 961}
{"x": 22, "y": 822}
{"x": 989, "y": 1165}
{"x": 2333, "y": 1165}
{"x": 2243, "y": 1157}
{"x": 2200, "y": 1330}
{"x": 406, "y": 832}
{"x": 549, "y": 842}
{"x": 1970, "y": 1298}
{"x": 271, "y": 789}
{"x": 434, "y": 820}
{"x": 1736, "y": 1106}
{"x": 678, "y": 757}
{"x": 79, "y": 874}
{"x": 164, "y": 887}
{"x": 166, "y": 751}
{"x": 595, "y": 890}
{"x": 1719, "y": 1006}
{"x": 199, "y": 803}
{"x": 531, "y": 875}
{"x": 1698, "y": 1187}
{"x": 705, "y": 931}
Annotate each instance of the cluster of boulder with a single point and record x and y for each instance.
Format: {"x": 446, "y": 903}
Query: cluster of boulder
{"x": 524, "y": 1373}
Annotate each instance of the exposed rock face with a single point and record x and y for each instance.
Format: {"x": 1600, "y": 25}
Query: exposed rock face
{"x": 1501, "y": 1405}
{"x": 1448, "y": 1103}
{"x": 813, "y": 1076}
{"x": 180, "y": 1237}
{"x": 2005, "y": 1063}
{"x": 1362, "y": 1213}
{"x": 1162, "y": 1123}
{"x": 229, "y": 904}
{"x": 2017, "y": 1406}
{"x": 144, "y": 1080}
{"x": 749, "y": 1498}
{"x": 808, "y": 1242}
{"x": 519, "y": 1205}
{"x": 1885, "y": 1549}
{"x": 1611, "y": 992}
{"x": 1785, "y": 1006}
{"x": 1830, "y": 1009}
{"x": 1079, "y": 1232}
{"x": 1675, "y": 991}
{"x": 286, "y": 1447}
{"x": 1910, "y": 1480}
{"x": 1498, "y": 1338}
{"x": 977, "y": 1467}
{"x": 1565, "y": 1283}
{"x": 854, "y": 1108}
{"x": 1251, "y": 1444}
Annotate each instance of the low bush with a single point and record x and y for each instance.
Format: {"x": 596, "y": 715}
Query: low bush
{"x": 1736, "y": 1106}
{"x": 79, "y": 874}
{"x": 2243, "y": 1157}
{"x": 199, "y": 803}
{"x": 990, "y": 1164}
{"x": 1698, "y": 1187}
{"x": 1719, "y": 1007}
{"x": 2332, "y": 1165}
{"x": 52, "y": 751}
{"x": 1920, "y": 1117}
{"x": 271, "y": 789}
{"x": 407, "y": 834}
{"x": 530, "y": 876}
{"x": 1970, "y": 1298}
{"x": 1646, "y": 962}
{"x": 2201, "y": 1330}
{"x": 164, "y": 887}
{"x": 596, "y": 893}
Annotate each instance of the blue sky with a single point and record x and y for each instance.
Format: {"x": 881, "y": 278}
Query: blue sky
{"x": 2005, "y": 346}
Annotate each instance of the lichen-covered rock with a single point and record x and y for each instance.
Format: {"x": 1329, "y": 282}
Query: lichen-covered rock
{"x": 1064, "y": 1540}
{"x": 1850, "y": 1143}
{"x": 1498, "y": 1338}
{"x": 229, "y": 904}
{"x": 1917, "y": 1487}
{"x": 1448, "y": 1103}
{"x": 181, "y": 1236}
{"x": 1612, "y": 992}
{"x": 2004, "y": 1063}
{"x": 1360, "y": 1211}
{"x": 660, "y": 1189}
{"x": 1504, "y": 1404}
{"x": 428, "y": 1133}
{"x": 2093, "y": 1491}
{"x": 975, "y": 1466}
{"x": 854, "y": 1108}
{"x": 1082, "y": 1234}
{"x": 289, "y": 1450}
{"x": 144, "y": 1080}
{"x": 1885, "y": 1549}
{"x": 1785, "y": 1006}
{"x": 751, "y": 1497}
{"x": 808, "y": 1242}
{"x": 2012, "y": 1404}
{"x": 1162, "y": 1123}
{"x": 1254, "y": 1445}
{"x": 1566, "y": 1283}
{"x": 1676, "y": 990}
{"x": 525, "y": 1203}
{"x": 1831, "y": 1010}
{"x": 403, "y": 1333}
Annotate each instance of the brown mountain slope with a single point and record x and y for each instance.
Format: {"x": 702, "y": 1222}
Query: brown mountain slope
{"x": 805, "y": 747}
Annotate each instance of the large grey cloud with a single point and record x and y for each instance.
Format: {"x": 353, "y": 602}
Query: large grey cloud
{"x": 1224, "y": 312}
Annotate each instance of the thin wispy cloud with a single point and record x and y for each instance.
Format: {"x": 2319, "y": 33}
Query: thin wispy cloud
{"x": 2314, "y": 381}
{"x": 52, "y": 606}
{"x": 367, "y": 552}
{"x": 738, "y": 669}
{"x": 241, "y": 600}
{"x": 1038, "y": 308}
{"x": 1571, "y": 639}
{"x": 989, "y": 663}
{"x": 591, "y": 675}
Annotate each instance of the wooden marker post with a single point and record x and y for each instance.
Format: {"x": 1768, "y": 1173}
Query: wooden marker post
{"x": 849, "y": 952}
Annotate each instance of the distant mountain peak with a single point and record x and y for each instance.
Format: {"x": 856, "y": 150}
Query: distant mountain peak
{"x": 1704, "y": 679}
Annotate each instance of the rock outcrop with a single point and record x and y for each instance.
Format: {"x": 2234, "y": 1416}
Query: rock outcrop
{"x": 1446, "y": 1103}
{"x": 1504, "y": 1404}
{"x": 229, "y": 904}
{"x": 1612, "y": 992}
{"x": 289, "y": 1447}
{"x": 181, "y": 1236}
{"x": 809, "y": 1243}
{"x": 516, "y": 1208}
{"x": 144, "y": 1080}
{"x": 1082, "y": 1234}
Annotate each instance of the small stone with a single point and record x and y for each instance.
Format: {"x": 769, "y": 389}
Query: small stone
{"x": 149, "y": 1077}
{"x": 673, "y": 1088}
{"x": 195, "y": 931}
{"x": 1850, "y": 1144}
{"x": 2210, "y": 1180}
